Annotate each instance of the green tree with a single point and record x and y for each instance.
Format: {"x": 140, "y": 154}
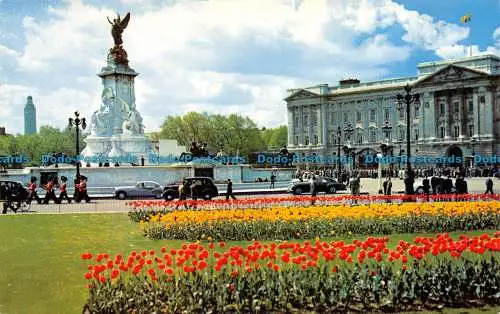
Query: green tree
{"x": 279, "y": 136}
{"x": 233, "y": 134}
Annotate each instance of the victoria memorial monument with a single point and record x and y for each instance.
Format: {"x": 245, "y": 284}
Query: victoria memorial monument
{"x": 116, "y": 128}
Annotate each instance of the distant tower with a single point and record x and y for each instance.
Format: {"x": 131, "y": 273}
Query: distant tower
{"x": 29, "y": 117}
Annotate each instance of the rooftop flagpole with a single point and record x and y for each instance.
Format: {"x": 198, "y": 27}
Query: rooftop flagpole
{"x": 467, "y": 19}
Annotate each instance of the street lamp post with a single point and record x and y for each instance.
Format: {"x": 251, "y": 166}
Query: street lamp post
{"x": 404, "y": 102}
{"x": 349, "y": 148}
{"x": 472, "y": 162}
{"x": 339, "y": 135}
{"x": 77, "y": 122}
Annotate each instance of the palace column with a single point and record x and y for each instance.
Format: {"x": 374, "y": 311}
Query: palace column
{"x": 447, "y": 120}
{"x": 429, "y": 116}
{"x": 300, "y": 127}
{"x": 291, "y": 127}
{"x": 476, "y": 117}
{"x": 324, "y": 124}
{"x": 488, "y": 113}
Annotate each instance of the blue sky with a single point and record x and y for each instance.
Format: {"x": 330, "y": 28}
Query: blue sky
{"x": 219, "y": 56}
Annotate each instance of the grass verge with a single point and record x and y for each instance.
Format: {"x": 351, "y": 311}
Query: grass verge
{"x": 40, "y": 266}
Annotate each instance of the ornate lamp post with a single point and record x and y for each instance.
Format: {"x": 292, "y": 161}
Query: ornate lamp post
{"x": 386, "y": 147}
{"x": 472, "y": 162}
{"x": 404, "y": 102}
{"x": 77, "y": 122}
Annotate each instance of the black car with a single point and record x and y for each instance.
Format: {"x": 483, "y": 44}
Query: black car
{"x": 326, "y": 185}
{"x": 13, "y": 194}
{"x": 206, "y": 189}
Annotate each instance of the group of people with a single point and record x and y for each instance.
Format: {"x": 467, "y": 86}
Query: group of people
{"x": 52, "y": 183}
{"x": 185, "y": 189}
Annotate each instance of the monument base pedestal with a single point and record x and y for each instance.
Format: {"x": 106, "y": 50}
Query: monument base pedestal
{"x": 118, "y": 149}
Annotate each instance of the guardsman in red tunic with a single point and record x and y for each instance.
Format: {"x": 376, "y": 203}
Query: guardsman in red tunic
{"x": 62, "y": 189}
{"x": 32, "y": 191}
{"x": 82, "y": 189}
{"x": 49, "y": 192}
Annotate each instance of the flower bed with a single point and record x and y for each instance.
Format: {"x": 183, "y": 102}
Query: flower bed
{"x": 309, "y": 222}
{"x": 142, "y": 210}
{"x": 325, "y": 277}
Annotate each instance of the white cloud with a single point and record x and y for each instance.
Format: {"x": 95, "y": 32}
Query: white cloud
{"x": 496, "y": 34}
{"x": 12, "y": 100}
{"x": 216, "y": 56}
{"x": 457, "y": 51}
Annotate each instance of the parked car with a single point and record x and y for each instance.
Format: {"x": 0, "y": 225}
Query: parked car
{"x": 326, "y": 185}
{"x": 141, "y": 189}
{"x": 206, "y": 189}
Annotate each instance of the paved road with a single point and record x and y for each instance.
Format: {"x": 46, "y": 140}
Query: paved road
{"x": 102, "y": 206}
{"x": 369, "y": 186}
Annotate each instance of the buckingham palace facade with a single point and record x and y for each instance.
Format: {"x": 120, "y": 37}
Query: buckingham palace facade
{"x": 459, "y": 113}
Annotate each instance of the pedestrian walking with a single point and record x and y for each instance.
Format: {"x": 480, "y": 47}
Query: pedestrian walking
{"x": 461, "y": 187}
{"x": 425, "y": 183}
{"x": 229, "y": 191}
{"x": 387, "y": 185}
{"x": 434, "y": 184}
{"x": 182, "y": 195}
{"x": 194, "y": 193}
{"x": 312, "y": 184}
{"x": 63, "y": 195}
{"x": 354, "y": 185}
{"x": 489, "y": 186}
{"x": 32, "y": 191}
{"x": 273, "y": 179}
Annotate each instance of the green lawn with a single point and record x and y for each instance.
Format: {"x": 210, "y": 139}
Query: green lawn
{"x": 40, "y": 266}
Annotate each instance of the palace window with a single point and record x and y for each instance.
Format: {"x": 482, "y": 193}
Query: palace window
{"x": 417, "y": 134}
{"x": 373, "y": 136}
{"x": 401, "y": 114}
{"x": 314, "y": 120}
{"x": 306, "y": 121}
{"x": 297, "y": 121}
{"x": 359, "y": 139}
{"x": 456, "y": 107}
{"x": 333, "y": 118}
{"x": 373, "y": 115}
{"x": 456, "y": 131}
{"x": 387, "y": 114}
{"x": 296, "y": 141}
{"x": 441, "y": 132}
{"x": 346, "y": 117}
{"x": 401, "y": 134}
{"x": 471, "y": 106}
{"x": 358, "y": 117}
{"x": 417, "y": 112}
{"x": 306, "y": 141}
{"x": 471, "y": 130}
{"x": 315, "y": 140}
{"x": 441, "y": 109}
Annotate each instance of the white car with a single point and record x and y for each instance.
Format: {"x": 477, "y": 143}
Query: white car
{"x": 140, "y": 190}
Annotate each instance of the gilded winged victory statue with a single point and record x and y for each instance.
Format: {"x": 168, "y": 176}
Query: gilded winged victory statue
{"x": 117, "y": 27}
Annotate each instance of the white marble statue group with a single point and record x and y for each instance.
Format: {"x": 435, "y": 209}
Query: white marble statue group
{"x": 115, "y": 112}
